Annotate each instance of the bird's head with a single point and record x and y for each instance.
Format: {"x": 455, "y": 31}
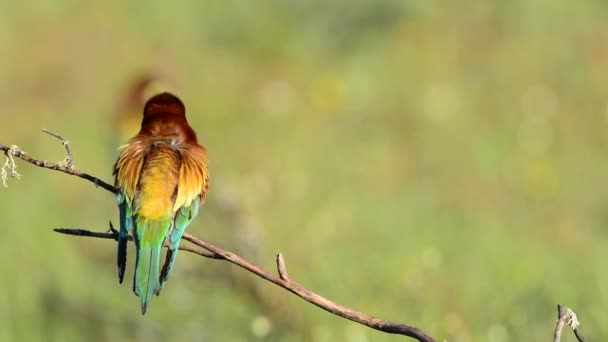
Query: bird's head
{"x": 165, "y": 118}
{"x": 164, "y": 104}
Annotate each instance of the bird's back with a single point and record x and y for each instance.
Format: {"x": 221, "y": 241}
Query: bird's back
{"x": 158, "y": 183}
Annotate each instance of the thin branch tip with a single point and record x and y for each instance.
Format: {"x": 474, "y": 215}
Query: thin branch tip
{"x": 69, "y": 158}
{"x": 56, "y": 135}
{"x": 111, "y": 228}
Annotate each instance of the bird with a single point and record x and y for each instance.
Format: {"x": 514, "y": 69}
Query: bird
{"x": 162, "y": 178}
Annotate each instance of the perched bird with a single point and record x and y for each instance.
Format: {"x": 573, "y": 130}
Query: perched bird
{"x": 162, "y": 177}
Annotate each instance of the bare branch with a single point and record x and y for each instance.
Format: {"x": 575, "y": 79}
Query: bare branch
{"x": 286, "y": 283}
{"x": 69, "y": 158}
{"x": 113, "y": 235}
{"x": 579, "y": 335}
{"x": 561, "y": 320}
{"x": 566, "y": 316}
{"x": 14, "y": 151}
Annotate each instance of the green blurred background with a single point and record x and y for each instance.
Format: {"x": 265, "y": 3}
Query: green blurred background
{"x": 436, "y": 163}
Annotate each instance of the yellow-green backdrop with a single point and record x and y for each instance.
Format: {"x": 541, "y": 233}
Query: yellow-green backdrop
{"x": 433, "y": 162}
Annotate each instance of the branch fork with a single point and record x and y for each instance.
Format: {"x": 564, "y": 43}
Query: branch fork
{"x": 565, "y": 316}
{"x": 68, "y": 162}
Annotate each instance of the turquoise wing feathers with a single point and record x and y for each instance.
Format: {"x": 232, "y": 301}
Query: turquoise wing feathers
{"x": 126, "y": 226}
{"x": 183, "y": 218}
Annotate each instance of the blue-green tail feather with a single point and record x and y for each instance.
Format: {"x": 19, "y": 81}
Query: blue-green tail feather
{"x": 150, "y": 236}
{"x": 123, "y": 235}
{"x": 146, "y": 278}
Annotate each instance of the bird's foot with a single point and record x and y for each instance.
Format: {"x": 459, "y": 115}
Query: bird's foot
{"x": 113, "y": 231}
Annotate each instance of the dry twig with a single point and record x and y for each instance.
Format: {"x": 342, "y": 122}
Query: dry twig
{"x": 283, "y": 280}
{"x": 567, "y": 316}
{"x": 69, "y": 158}
{"x": 68, "y": 167}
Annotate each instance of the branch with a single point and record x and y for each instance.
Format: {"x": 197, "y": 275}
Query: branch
{"x": 567, "y": 316}
{"x": 282, "y": 280}
{"x": 66, "y": 166}
{"x": 112, "y": 234}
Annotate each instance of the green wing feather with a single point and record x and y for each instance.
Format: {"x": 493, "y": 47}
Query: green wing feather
{"x": 183, "y": 218}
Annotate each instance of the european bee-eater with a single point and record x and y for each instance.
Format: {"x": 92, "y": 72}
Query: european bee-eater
{"x": 162, "y": 178}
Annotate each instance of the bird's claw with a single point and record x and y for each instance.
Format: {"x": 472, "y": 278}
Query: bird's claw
{"x": 113, "y": 231}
